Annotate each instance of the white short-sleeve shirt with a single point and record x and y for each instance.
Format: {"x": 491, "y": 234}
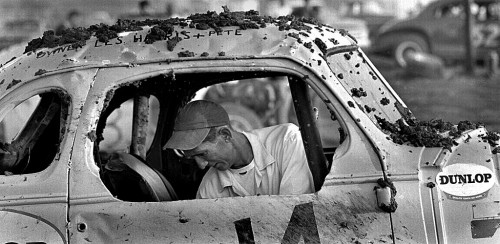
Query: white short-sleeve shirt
{"x": 279, "y": 167}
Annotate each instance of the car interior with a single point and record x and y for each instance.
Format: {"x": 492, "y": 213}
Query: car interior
{"x": 138, "y": 119}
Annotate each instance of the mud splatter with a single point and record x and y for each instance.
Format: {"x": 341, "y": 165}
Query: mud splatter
{"x": 172, "y": 43}
{"x": 368, "y": 109}
{"x": 75, "y": 36}
{"x": 40, "y": 72}
{"x": 321, "y": 45}
{"x": 13, "y": 83}
{"x": 185, "y": 54}
{"x": 162, "y": 29}
{"x": 92, "y": 135}
{"x": 492, "y": 138}
{"x": 425, "y": 133}
{"x": 385, "y": 101}
{"x": 358, "y": 92}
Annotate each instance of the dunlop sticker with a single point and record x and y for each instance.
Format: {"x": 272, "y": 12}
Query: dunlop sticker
{"x": 465, "y": 182}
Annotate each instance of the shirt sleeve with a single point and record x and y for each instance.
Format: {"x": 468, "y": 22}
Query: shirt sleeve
{"x": 296, "y": 175}
{"x": 208, "y": 187}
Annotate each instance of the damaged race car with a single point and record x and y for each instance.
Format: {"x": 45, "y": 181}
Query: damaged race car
{"x": 85, "y": 117}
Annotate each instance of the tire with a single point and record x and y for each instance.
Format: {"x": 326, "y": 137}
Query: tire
{"x": 406, "y": 43}
{"x": 242, "y": 118}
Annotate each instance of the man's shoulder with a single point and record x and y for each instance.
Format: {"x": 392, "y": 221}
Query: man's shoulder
{"x": 275, "y": 136}
{"x": 281, "y": 129}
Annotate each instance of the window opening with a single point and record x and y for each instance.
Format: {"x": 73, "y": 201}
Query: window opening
{"x": 30, "y": 144}
{"x": 252, "y": 101}
{"x": 117, "y": 134}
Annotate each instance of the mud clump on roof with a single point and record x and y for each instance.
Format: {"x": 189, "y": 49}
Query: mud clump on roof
{"x": 385, "y": 101}
{"x": 40, "y": 72}
{"x": 76, "y": 37}
{"x": 185, "y": 54}
{"x": 425, "y": 133}
{"x": 172, "y": 43}
{"x": 358, "y": 92}
{"x": 13, "y": 83}
{"x": 321, "y": 45}
{"x": 492, "y": 138}
{"x": 164, "y": 28}
{"x": 369, "y": 109}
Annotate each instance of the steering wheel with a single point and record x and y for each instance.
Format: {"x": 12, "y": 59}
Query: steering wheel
{"x": 159, "y": 187}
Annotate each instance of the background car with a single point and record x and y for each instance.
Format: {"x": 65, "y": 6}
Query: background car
{"x": 358, "y": 28}
{"x": 371, "y": 12}
{"x": 439, "y": 29}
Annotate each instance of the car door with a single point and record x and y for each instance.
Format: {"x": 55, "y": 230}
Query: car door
{"x": 39, "y": 118}
{"x": 125, "y": 207}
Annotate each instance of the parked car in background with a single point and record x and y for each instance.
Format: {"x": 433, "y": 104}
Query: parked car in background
{"x": 15, "y": 31}
{"x": 370, "y": 11}
{"x": 439, "y": 29}
{"x": 358, "y": 28}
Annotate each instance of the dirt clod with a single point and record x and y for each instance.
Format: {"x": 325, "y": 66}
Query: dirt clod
{"x": 185, "y": 54}
{"x": 385, "y": 101}
{"x": 13, "y": 83}
{"x": 492, "y": 138}
{"x": 40, "y": 72}
{"x": 163, "y": 29}
{"x": 358, "y": 92}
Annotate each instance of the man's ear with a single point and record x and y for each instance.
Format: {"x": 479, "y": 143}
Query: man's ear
{"x": 225, "y": 133}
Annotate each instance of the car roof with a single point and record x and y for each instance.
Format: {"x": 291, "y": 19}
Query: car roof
{"x": 200, "y": 36}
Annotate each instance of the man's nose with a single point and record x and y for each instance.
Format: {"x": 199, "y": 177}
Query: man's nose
{"x": 201, "y": 162}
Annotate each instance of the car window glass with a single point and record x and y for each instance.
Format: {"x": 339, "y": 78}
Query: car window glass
{"x": 251, "y": 103}
{"x": 31, "y": 134}
{"x": 453, "y": 10}
{"x": 493, "y": 11}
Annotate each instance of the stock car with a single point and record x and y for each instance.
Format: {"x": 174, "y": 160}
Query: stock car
{"x": 439, "y": 29}
{"x": 382, "y": 176}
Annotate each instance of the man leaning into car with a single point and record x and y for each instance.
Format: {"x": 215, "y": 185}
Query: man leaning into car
{"x": 267, "y": 161}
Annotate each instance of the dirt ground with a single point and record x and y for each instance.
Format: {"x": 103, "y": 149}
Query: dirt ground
{"x": 453, "y": 97}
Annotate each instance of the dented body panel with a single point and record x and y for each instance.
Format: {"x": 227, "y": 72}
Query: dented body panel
{"x": 381, "y": 187}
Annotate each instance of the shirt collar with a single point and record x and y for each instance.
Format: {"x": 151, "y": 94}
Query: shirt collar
{"x": 261, "y": 158}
